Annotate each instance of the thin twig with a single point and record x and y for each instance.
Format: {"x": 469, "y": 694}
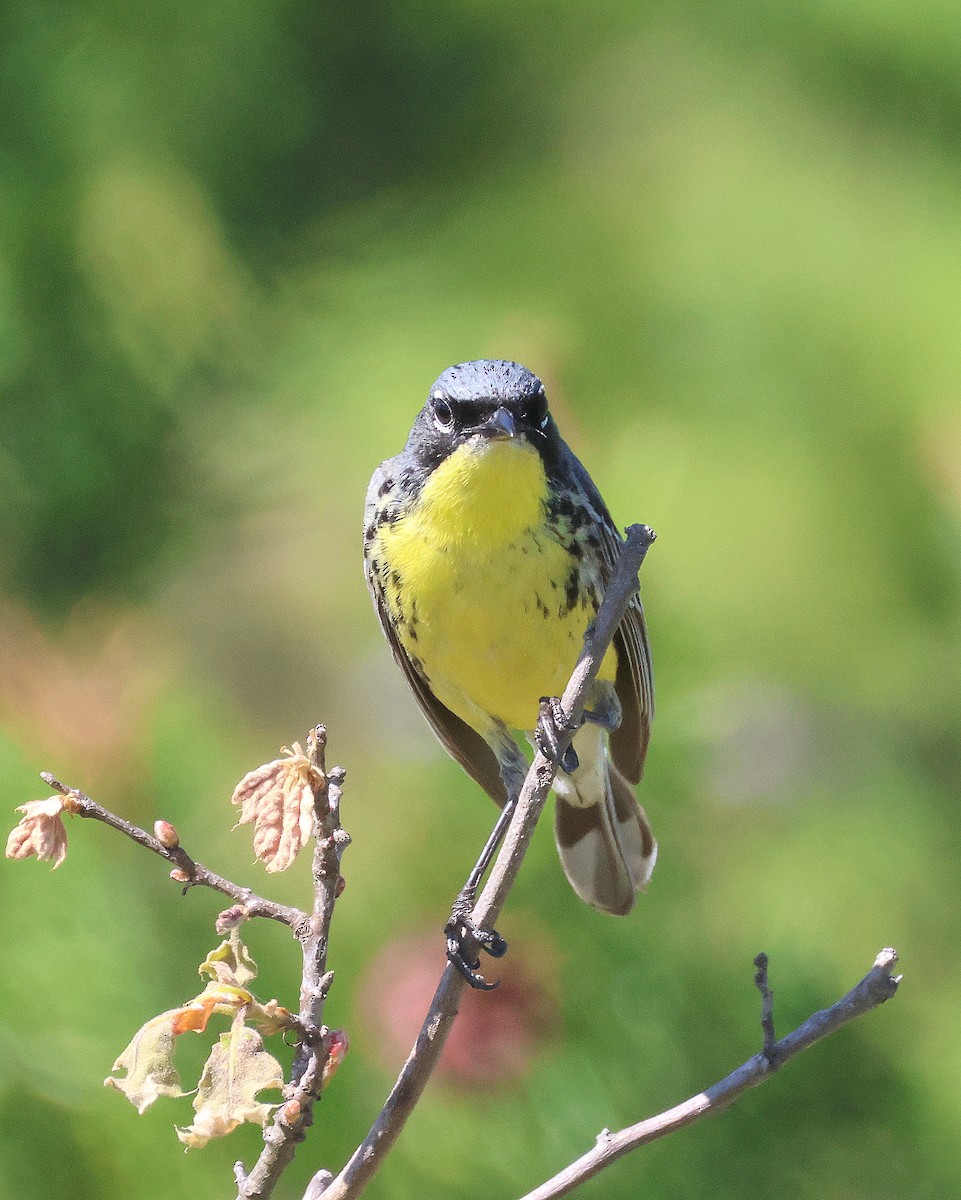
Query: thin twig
{"x": 876, "y": 987}
{"x": 443, "y": 1009}
{"x": 295, "y": 1116}
{"x": 194, "y": 874}
{"x": 769, "y": 1038}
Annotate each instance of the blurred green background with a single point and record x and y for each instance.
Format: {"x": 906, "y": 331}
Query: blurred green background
{"x": 237, "y": 244}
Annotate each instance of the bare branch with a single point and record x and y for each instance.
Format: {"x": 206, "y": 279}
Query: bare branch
{"x": 295, "y": 1116}
{"x": 876, "y": 987}
{"x": 443, "y": 1009}
{"x": 192, "y": 873}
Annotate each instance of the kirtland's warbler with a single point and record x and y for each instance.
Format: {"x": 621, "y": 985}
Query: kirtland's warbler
{"x": 487, "y": 550}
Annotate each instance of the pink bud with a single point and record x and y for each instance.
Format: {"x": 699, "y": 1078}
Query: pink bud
{"x": 230, "y": 918}
{"x": 166, "y": 835}
{"x": 337, "y": 1043}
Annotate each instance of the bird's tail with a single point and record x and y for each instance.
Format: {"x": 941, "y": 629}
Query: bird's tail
{"x": 603, "y": 837}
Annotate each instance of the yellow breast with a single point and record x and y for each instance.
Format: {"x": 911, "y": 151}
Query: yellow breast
{"x": 476, "y": 584}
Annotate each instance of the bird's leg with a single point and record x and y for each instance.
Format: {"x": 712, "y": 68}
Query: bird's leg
{"x": 464, "y": 936}
{"x": 606, "y": 710}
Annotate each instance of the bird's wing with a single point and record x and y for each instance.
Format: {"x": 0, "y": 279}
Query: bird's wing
{"x": 635, "y": 690}
{"x": 634, "y": 682}
{"x": 461, "y": 742}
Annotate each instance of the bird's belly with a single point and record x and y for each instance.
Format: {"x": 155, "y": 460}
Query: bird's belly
{"x": 495, "y": 629}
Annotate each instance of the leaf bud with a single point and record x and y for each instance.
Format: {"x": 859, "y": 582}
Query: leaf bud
{"x": 337, "y": 1045}
{"x": 166, "y": 835}
{"x": 230, "y": 918}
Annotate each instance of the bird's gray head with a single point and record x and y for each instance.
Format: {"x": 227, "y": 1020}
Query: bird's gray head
{"x": 487, "y": 398}
{"x": 485, "y": 381}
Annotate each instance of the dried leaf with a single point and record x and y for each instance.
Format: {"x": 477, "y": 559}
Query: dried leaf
{"x": 237, "y": 1070}
{"x": 278, "y": 798}
{"x": 215, "y": 998}
{"x": 230, "y": 963}
{"x": 41, "y": 832}
{"x": 148, "y": 1062}
{"x": 238, "y": 1066}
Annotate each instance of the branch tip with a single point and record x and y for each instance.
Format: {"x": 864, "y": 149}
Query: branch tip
{"x": 318, "y": 1185}
{"x": 317, "y": 745}
{"x": 64, "y": 790}
{"x": 887, "y": 959}
{"x": 880, "y": 982}
{"x": 641, "y": 533}
{"x": 769, "y": 1043}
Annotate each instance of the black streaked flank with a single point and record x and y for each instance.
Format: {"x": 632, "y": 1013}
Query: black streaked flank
{"x": 572, "y": 587}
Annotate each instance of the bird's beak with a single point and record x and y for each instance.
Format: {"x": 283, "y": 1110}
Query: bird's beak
{"x": 500, "y": 425}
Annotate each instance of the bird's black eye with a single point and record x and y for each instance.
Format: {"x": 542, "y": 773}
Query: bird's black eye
{"x": 443, "y": 413}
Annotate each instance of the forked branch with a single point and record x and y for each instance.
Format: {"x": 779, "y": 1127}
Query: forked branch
{"x": 876, "y": 987}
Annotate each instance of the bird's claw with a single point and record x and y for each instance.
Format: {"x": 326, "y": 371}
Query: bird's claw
{"x": 464, "y": 938}
{"x": 552, "y": 723}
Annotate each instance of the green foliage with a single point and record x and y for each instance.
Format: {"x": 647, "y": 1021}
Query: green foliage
{"x": 236, "y": 247}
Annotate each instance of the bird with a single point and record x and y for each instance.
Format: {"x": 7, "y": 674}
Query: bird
{"x": 487, "y": 550}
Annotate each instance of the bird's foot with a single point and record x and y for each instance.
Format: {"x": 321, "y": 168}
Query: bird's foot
{"x": 552, "y": 723}
{"x": 465, "y": 937}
